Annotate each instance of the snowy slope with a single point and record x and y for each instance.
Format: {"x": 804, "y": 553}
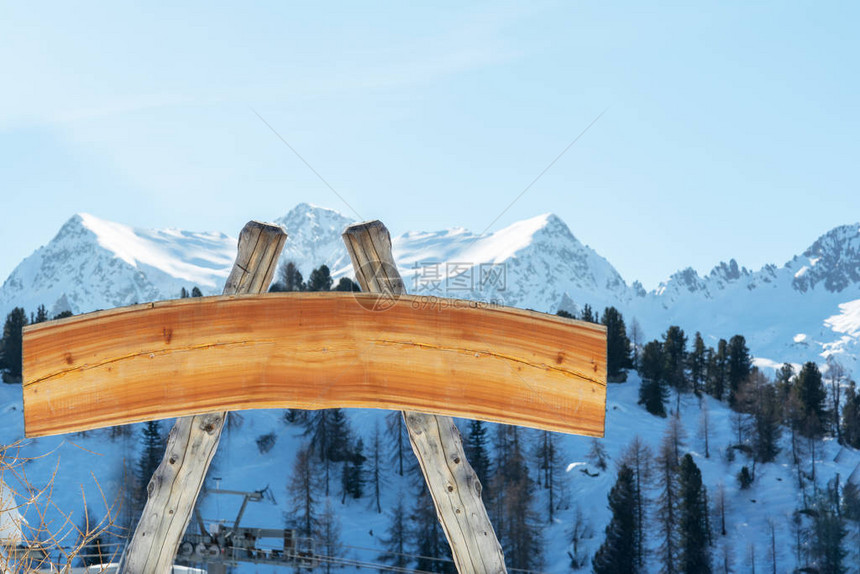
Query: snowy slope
{"x": 239, "y": 465}
{"x": 787, "y": 313}
{"x": 793, "y": 312}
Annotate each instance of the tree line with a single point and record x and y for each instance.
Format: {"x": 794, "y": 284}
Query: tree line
{"x": 290, "y": 279}
{"x": 804, "y": 402}
{"x": 11, "y": 345}
{"x": 520, "y": 469}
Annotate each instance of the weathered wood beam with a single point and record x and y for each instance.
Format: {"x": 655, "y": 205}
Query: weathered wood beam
{"x": 453, "y": 484}
{"x": 173, "y": 489}
{"x": 314, "y": 350}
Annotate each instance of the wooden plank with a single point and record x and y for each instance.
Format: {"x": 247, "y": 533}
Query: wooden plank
{"x": 176, "y": 483}
{"x": 451, "y": 480}
{"x": 310, "y": 351}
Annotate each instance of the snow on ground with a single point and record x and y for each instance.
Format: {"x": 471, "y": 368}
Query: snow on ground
{"x": 83, "y": 461}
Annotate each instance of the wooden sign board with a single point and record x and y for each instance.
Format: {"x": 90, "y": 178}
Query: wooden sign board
{"x": 314, "y": 351}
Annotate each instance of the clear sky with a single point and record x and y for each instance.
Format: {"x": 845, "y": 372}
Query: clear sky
{"x": 731, "y": 128}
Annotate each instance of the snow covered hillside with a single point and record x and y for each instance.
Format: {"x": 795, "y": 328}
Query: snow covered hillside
{"x": 803, "y": 310}
{"x": 800, "y": 311}
{"x": 240, "y": 466}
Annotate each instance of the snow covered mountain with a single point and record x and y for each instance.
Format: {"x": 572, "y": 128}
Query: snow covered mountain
{"x": 806, "y": 308}
{"x": 96, "y": 264}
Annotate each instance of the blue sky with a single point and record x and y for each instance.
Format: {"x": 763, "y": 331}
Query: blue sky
{"x": 731, "y": 128}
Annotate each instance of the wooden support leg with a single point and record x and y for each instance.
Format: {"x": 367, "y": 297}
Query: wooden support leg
{"x": 191, "y": 444}
{"x": 453, "y": 484}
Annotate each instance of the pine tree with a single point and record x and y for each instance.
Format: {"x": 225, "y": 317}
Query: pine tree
{"x": 353, "y": 479}
{"x": 427, "y": 539}
{"x": 476, "y": 450}
{"x": 705, "y": 426}
{"x": 718, "y": 371}
{"x": 328, "y": 536}
{"x": 347, "y": 284}
{"x": 289, "y": 279}
{"x": 296, "y": 416}
{"x": 617, "y": 346}
{"x": 320, "y": 279}
{"x": 494, "y": 495}
{"x": 694, "y": 552}
{"x": 41, "y": 315}
{"x": 520, "y": 531}
{"x": 836, "y": 376}
{"x": 677, "y": 437}
{"x": 652, "y": 392}
{"x": 376, "y": 468}
{"x": 675, "y": 358}
{"x": 196, "y": 292}
{"x": 739, "y": 365}
{"x": 183, "y": 293}
{"x": 635, "y": 337}
{"x": 851, "y": 416}
{"x": 828, "y": 533}
{"x": 773, "y": 553}
{"x": 588, "y": 314}
{"x": 809, "y": 391}
{"x": 851, "y": 507}
{"x": 396, "y": 536}
{"x": 342, "y": 446}
{"x": 11, "y": 346}
{"x": 303, "y": 491}
{"x": 617, "y": 554}
{"x": 697, "y": 363}
{"x": 150, "y": 458}
{"x": 395, "y": 432}
{"x": 330, "y": 438}
{"x": 548, "y": 470}
{"x": 578, "y": 531}
{"x": 784, "y": 374}
{"x": 767, "y": 419}
{"x": 639, "y": 458}
{"x": 667, "y": 505}
{"x": 597, "y": 454}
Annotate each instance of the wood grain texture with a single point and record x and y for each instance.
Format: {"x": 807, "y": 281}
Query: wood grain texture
{"x": 451, "y": 480}
{"x": 193, "y": 440}
{"x": 314, "y": 350}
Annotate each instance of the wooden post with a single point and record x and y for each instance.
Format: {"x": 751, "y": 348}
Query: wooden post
{"x": 453, "y": 484}
{"x": 176, "y": 483}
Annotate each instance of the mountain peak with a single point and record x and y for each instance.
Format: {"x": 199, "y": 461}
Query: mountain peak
{"x": 93, "y": 263}
{"x": 313, "y": 238}
{"x": 303, "y": 212}
{"x": 75, "y": 225}
{"x": 728, "y": 272}
{"x": 833, "y": 260}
